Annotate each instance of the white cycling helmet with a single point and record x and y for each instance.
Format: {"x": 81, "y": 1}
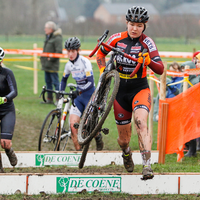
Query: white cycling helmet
{"x": 2, "y": 54}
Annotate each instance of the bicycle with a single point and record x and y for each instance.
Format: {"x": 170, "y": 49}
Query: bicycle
{"x": 102, "y": 99}
{"x": 55, "y": 132}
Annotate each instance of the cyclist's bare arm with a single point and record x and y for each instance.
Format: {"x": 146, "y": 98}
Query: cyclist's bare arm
{"x": 101, "y": 61}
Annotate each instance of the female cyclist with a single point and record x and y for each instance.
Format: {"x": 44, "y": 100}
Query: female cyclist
{"x": 81, "y": 70}
{"x": 134, "y": 94}
{"x": 8, "y": 91}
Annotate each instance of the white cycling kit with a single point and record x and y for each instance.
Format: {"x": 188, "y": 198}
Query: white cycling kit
{"x": 81, "y": 70}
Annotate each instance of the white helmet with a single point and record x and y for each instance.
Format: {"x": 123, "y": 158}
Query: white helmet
{"x": 2, "y": 53}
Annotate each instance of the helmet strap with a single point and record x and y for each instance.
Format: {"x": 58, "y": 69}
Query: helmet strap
{"x": 144, "y": 27}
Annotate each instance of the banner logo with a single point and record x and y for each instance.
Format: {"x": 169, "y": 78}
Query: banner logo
{"x": 77, "y": 184}
{"x": 57, "y": 159}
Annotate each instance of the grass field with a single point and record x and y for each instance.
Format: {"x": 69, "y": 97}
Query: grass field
{"x": 30, "y": 114}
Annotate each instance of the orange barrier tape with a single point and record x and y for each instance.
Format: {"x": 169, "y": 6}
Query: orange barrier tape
{"x": 187, "y": 72}
{"x": 39, "y": 52}
{"x": 87, "y": 52}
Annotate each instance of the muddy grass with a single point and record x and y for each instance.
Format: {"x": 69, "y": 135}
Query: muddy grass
{"x": 26, "y": 136}
{"x": 68, "y": 170}
{"x": 26, "y": 139}
{"x": 99, "y": 197}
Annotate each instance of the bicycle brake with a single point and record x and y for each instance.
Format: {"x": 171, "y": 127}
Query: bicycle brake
{"x": 76, "y": 125}
{"x": 105, "y": 131}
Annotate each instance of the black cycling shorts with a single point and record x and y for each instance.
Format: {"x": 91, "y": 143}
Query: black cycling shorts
{"x": 129, "y": 99}
{"x": 7, "y": 124}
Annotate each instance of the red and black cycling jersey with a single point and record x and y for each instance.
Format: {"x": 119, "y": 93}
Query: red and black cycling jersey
{"x": 133, "y": 46}
{"x": 133, "y": 92}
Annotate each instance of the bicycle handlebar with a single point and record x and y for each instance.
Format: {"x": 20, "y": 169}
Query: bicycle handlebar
{"x": 62, "y": 93}
{"x": 138, "y": 65}
{"x": 100, "y": 42}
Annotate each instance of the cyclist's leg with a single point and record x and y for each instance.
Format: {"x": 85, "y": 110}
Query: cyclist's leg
{"x": 7, "y": 129}
{"x": 141, "y": 106}
{"x": 123, "y": 120}
{"x": 75, "y": 115}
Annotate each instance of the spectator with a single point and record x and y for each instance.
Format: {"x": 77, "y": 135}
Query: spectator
{"x": 193, "y": 145}
{"x": 81, "y": 70}
{"x": 194, "y": 59}
{"x": 171, "y": 90}
{"x": 8, "y": 91}
{"x": 52, "y": 44}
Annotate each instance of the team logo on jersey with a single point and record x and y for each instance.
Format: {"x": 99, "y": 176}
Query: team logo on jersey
{"x": 120, "y": 115}
{"x": 123, "y": 60}
{"x": 88, "y": 73}
{"x": 117, "y": 35}
{"x": 121, "y": 45}
{"x": 135, "y": 49}
{"x": 150, "y": 43}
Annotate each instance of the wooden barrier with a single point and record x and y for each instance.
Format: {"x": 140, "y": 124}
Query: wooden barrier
{"x": 35, "y": 75}
{"x": 151, "y": 86}
{"x": 163, "y": 117}
{"x": 163, "y": 133}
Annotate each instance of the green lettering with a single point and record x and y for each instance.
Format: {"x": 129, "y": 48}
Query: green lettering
{"x": 69, "y": 159}
{"x": 78, "y": 158}
{"x": 102, "y": 183}
{"x": 58, "y": 158}
{"x": 73, "y": 183}
{"x": 87, "y": 184}
{"x": 49, "y": 158}
{"x": 116, "y": 183}
{"x": 97, "y": 183}
{"x": 109, "y": 183}
{"x": 64, "y": 159}
{"x": 80, "y": 183}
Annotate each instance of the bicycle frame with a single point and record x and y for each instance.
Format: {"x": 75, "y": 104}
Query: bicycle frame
{"x": 64, "y": 114}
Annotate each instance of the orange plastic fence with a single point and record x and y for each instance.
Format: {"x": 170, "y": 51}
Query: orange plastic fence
{"x": 183, "y": 120}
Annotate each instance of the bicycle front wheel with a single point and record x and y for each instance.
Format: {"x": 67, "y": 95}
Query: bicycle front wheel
{"x": 83, "y": 156}
{"x": 50, "y": 132}
{"x": 98, "y": 108}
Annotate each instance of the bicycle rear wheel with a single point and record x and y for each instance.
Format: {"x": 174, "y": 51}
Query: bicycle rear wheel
{"x": 65, "y": 134}
{"x": 98, "y": 108}
{"x": 83, "y": 156}
{"x": 50, "y": 132}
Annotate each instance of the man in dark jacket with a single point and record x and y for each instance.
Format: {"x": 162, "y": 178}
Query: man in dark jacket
{"x": 52, "y": 44}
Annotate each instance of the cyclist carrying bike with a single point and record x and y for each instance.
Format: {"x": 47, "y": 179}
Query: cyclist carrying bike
{"x": 134, "y": 94}
{"x": 81, "y": 70}
{"x": 8, "y": 91}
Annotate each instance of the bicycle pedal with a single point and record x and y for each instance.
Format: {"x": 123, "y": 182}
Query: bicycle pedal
{"x": 76, "y": 125}
{"x": 105, "y": 131}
